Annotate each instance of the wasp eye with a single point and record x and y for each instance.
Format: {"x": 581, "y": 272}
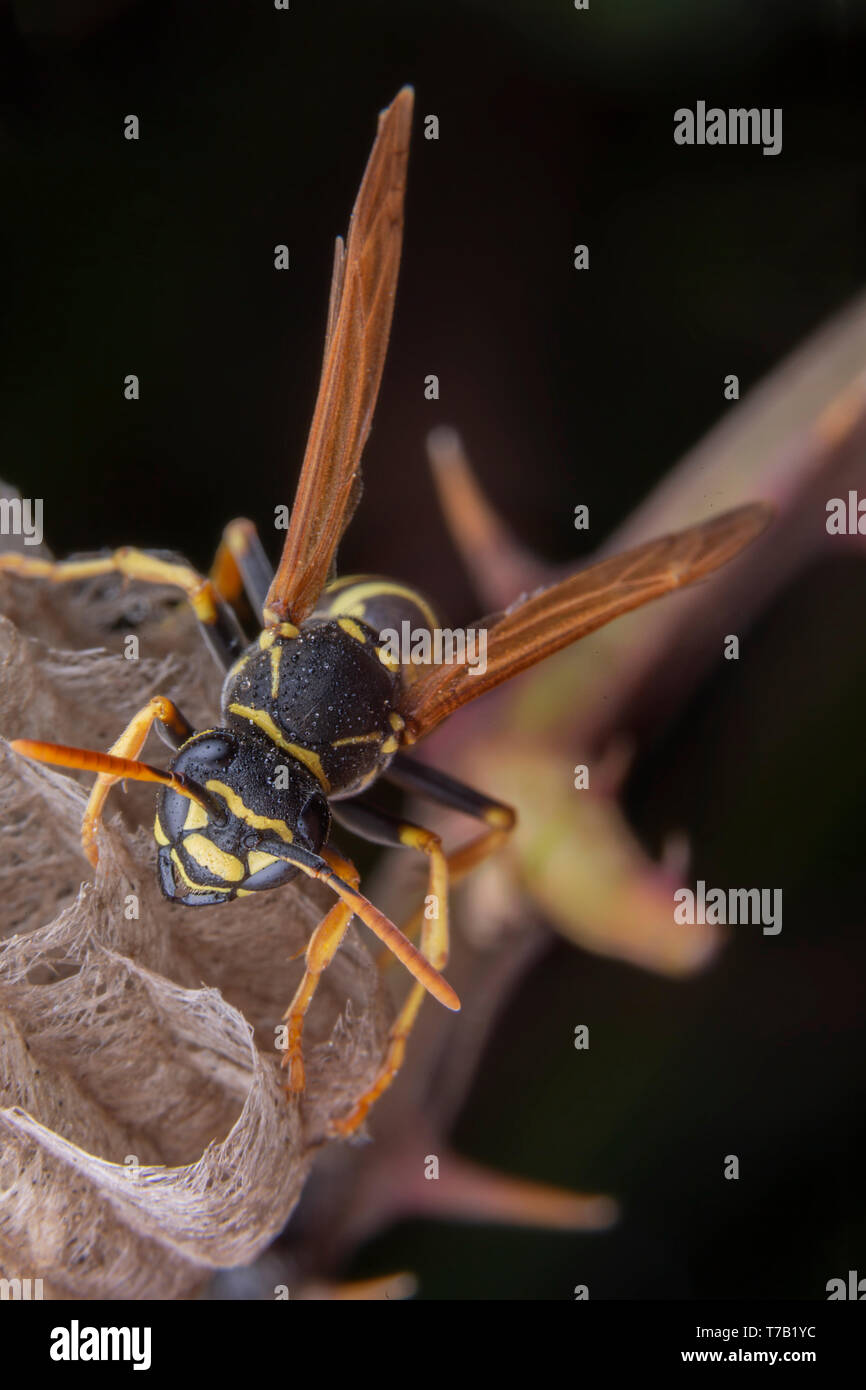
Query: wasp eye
{"x": 216, "y": 748}
{"x": 314, "y": 820}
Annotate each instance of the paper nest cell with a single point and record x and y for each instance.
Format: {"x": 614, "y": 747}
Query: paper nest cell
{"x": 145, "y": 1138}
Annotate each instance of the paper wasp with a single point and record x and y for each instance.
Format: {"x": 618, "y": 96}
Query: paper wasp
{"x": 312, "y": 711}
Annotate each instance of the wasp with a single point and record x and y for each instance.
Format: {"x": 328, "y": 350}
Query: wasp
{"x": 317, "y": 709}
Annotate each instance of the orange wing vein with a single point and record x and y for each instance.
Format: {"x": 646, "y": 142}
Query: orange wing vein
{"x": 363, "y": 287}
{"x": 542, "y": 623}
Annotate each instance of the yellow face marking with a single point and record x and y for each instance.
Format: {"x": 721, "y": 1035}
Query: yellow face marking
{"x": 191, "y": 883}
{"x": 257, "y": 859}
{"x": 245, "y": 893}
{"x": 276, "y": 653}
{"x": 351, "y": 627}
{"x": 351, "y": 601}
{"x": 265, "y": 722}
{"x": 356, "y": 738}
{"x": 216, "y": 861}
{"x": 237, "y": 808}
{"x": 196, "y": 817}
{"x": 159, "y": 834}
{"x": 396, "y": 721}
{"x": 390, "y": 745}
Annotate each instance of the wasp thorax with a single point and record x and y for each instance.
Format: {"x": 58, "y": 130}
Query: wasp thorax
{"x": 256, "y": 803}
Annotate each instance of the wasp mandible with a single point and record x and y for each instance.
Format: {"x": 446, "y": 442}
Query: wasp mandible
{"x": 316, "y": 710}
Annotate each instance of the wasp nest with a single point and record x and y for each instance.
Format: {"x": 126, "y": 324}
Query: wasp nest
{"x": 145, "y": 1138}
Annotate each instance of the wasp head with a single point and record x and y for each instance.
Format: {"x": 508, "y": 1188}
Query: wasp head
{"x": 255, "y": 805}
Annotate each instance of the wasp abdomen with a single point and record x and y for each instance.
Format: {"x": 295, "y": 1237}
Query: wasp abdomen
{"x": 396, "y": 613}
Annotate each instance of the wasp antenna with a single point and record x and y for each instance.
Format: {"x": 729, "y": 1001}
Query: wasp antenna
{"x": 399, "y": 945}
{"x": 109, "y": 765}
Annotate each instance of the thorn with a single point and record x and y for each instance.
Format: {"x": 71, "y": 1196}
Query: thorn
{"x": 612, "y": 767}
{"x": 676, "y": 855}
{"x": 467, "y": 1191}
{"x": 385, "y": 1287}
{"x": 500, "y": 568}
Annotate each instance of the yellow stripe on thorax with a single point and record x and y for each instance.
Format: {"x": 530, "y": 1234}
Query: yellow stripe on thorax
{"x": 352, "y": 629}
{"x": 268, "y": 637}
{"x": 351, "y": 600}
{"x": 356, "y": 738}
{"x": 275, "y": 654}
{"x": 387, "y": 661}
{"x": 265, "y": 722}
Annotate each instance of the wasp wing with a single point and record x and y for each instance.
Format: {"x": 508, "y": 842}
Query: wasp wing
{"x": 363, "y": 286}
{"x": 542, "y": 623}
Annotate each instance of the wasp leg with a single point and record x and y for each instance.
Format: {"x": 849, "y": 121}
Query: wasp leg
{"x": 437, "y": 786}
{"x": 321, "y": 949}
{"x": 241, "y": 566}
{"x": 174, "y": 728}
{"x": 218, "y": 624}
{"x": 386, "y": 830}
{"x": 374, "y": 825}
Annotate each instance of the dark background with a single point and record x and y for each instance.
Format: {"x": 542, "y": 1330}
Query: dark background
{"x": 156, "y": 258}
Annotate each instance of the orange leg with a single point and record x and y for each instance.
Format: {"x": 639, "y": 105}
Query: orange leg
{"x": 128, "y": 746}
{"x": 499, "y": 820}
{"x": 432, "y": 916}
{"x": 321, "y": 949}
{"x": 135, "y": 564}
{"x": 217, "y": 622}
{"x": 241, "y": 566}
{"x": 461, "y": 862}
{"x": 434, "y": 945}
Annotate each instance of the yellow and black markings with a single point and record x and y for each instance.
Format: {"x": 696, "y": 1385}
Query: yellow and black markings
{"x": 251, "y": 818}
{"x": 265, "y": 721}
